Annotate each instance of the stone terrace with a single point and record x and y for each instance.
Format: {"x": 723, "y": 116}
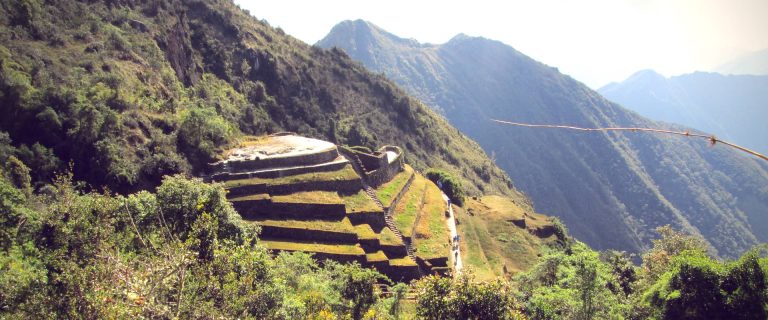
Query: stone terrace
{"x": 308, "y": 197}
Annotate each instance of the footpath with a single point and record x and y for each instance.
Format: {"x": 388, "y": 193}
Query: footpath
{"x": 455, "y": 247}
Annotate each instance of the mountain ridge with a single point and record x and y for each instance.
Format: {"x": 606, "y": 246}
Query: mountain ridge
{"x": 728, "y": 106}
{"x": 611, "y": 189}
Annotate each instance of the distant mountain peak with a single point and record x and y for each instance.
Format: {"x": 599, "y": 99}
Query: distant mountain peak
{"x": 646, "y": 73}
{"x": 366, "y": 31}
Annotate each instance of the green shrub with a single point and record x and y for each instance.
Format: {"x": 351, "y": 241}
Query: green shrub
{"x": 451, "y": 185}
{"x": 201, "y": 133}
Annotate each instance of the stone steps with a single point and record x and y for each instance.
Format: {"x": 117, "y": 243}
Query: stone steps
{"x": 358, "y": 166}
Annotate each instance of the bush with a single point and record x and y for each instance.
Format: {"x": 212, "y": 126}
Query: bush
{"x": 451, "y": 186}
{"x": 443, "y": 298}
{"x": 201, "y": 133}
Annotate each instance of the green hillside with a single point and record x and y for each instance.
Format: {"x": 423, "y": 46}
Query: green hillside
{"x": 612, "y": 189}
{"x": 129, "y": 91}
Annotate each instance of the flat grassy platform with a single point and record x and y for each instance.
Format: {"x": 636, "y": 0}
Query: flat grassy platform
{"x": 491, "y": 241}
{"x": 388, "y": 238}
{"x": 359, "y": 202}
{"x": 377, "y": 256}
{"x": 388, "y": 191}
{"x": 252, "y": 197}
{"x": 313, "y": 247}
{"x": 402, "y": 262}
{"x": 345, "y": 174}
{"x": 342, "y": 226}
{"x": 364, "y": 231}
{"x": 404, "y": 214}
{"x": 432, "y": 235}
{"x": 309, "y": 197}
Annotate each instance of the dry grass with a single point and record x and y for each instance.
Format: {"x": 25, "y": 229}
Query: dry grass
{"x": 432, "y": 235}
{"x": 313, "y": 197}
{"x": 406, "y": 210}
{"x": 490, "y": 241}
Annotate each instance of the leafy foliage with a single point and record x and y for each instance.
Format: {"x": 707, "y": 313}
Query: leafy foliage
{"x": 177, "y": 253}
{"x": 442, "y": 298}
{"x": 451, "y": 186}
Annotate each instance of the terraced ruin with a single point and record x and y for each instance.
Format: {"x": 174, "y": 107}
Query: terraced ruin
{"x": 338, "y": 203}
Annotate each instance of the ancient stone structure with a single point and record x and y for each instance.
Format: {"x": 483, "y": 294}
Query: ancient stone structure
{"x": 276, "y": 156}
{"x": 310, "y": 195}
{"x": 380, "y": 166}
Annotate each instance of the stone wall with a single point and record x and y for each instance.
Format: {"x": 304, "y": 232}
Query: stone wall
{"x": 377, "y": 169}
{"x": 343, "y": 186}
{"x": 387, "y": 170}
{"x": 370, "y": 245}
{"x": 399, "y": 273}
{"x": 396, "y": 250}
{"x": 279, "y": 172}
{"x": 307, "y": 234}
{"x": 247, "y": 190}
{"x": 343, "y": 258}
{"x": 299, "y": 211}
{"x": 374, "y": 219}
{"x": 273, "y": 162}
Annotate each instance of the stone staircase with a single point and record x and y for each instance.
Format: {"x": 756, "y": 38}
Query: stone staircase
{"x": 391, "y": 223}
{"x": 358, "y": 166}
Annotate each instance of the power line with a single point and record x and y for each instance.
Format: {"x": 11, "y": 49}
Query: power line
{"x": 712, "y": 139}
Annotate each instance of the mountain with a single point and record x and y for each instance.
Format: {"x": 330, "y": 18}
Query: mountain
{"x": 611, "y": 188}
{"x": 755, "y": 63}
{"x": 126, "y": 92}
{"x": 732, "y": 107}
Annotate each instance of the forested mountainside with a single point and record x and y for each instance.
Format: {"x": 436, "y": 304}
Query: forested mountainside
{"x": 732, "y": 107}
{"x": 611, "y": 188}
{"x": 125, "y": 92}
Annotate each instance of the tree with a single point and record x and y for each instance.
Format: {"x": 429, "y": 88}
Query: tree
{"x": 690, "y": 290}
{"x": 18, "y": 173}
{"x": 624, "y": 271}
{"x": 570, "y": 284}
{"x": 746, "y": 287}
{"x": 681, "y": 281}
{"x": 665, "y": 249}
{"x": 463, "y": 298}
{"x": 434, "y": 298}
{"x": 356, "y": 286}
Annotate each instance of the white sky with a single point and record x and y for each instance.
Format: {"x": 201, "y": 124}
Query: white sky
{"x": 594, "y": 41}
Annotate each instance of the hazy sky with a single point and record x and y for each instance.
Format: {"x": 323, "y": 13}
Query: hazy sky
{"x": 594, "y": 41}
